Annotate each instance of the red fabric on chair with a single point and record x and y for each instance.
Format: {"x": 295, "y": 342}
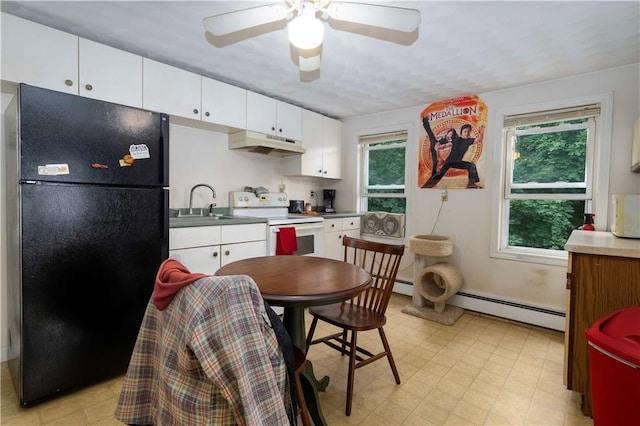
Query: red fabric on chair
{"x": 172, "y": 276}
{"x": 286, "y": 242}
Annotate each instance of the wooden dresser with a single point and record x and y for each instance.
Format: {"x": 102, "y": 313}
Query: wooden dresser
{"x": 603, "y": 275}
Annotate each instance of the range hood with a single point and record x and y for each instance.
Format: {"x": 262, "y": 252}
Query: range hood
{"x": 265, "y": 144}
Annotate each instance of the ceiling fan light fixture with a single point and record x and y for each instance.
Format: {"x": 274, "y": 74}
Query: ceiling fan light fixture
{"x": 306, "y": 32}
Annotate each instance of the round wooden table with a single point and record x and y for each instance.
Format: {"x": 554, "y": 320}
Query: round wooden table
{"x": 297, "y": 282}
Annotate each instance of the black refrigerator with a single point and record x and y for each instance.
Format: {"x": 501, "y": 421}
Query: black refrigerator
{"x": 88, "y": 202}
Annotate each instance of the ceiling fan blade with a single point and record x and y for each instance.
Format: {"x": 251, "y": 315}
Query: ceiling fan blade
{"x": 390, "y": 17}
{"x": 230, "y": 22}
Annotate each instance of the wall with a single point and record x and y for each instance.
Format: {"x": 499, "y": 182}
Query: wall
{"x": 201, "y": 156}
{"x": 466, "y": 217}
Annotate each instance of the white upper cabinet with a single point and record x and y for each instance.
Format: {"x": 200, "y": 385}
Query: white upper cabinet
{"x": 170, "y": 90}
{"x": 273, "y": 117}
{"x": 224, "y": 104}
{"x": 39, "y": 55}
{"x": 110, "y": 74}
{"x": 331, "y": 148}
{"x": 322, "y": 139}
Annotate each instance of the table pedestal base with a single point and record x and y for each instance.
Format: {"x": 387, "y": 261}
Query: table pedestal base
{"x": 294, "y": 323}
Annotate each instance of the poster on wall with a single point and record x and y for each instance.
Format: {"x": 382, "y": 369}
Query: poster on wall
{"x": 451, "y": 148}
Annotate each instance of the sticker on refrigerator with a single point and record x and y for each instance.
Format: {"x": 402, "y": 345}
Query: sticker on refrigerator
{"x": 53, "y": 170}
{"x": 126, "y": 161}
{"x": 140, "y": 151}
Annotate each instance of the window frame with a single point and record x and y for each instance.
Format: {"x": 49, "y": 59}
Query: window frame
{"x": 363, "y": 165}
{"x": 598, "y": 158}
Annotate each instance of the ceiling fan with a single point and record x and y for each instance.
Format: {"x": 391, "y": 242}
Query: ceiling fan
{"x": 305, "y": 26}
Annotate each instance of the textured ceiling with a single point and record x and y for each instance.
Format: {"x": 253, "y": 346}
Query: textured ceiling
{"x": 460, "y": 48}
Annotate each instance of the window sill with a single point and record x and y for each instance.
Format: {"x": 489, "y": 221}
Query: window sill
{"x": 543, "y": 259}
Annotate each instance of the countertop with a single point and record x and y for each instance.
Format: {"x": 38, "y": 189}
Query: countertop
{"x": 187, "y": 222}
{"x": 603, "y": 243}
{"x": 339, "y": 215}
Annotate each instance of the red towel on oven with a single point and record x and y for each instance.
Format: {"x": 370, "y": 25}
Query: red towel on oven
{"x": 286, "y": 242}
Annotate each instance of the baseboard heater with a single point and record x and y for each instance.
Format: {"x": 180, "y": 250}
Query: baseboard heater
{"x": 527, "y": 314}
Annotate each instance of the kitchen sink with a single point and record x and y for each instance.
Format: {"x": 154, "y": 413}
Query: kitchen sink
{"x": 197, "y": 213}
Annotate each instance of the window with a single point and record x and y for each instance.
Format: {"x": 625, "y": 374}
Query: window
{"x": 383, "y": 172}
{"x": 548, "y": 179}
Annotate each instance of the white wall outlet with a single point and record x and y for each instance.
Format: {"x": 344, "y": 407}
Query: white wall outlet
{"x": 444, "y": 195}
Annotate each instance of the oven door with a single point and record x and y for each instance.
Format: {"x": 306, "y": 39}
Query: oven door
{"x": 309, "y": 236}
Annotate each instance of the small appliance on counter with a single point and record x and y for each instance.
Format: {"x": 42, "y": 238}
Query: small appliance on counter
{"x": 329, "y": 197}
{"x": 296, "y": 206}
{"x": 625, "y": 215}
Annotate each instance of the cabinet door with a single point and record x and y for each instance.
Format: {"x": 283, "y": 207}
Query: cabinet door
{"x": 332, "y": 148}
{"x": 289, "y": 120}
{"x": 232, "y": 252}
{"x": 224, "y": 104}
{"x": 110, "y": 74}
{"x": 309, "y": 163}
{"x": 204, "y": 260}
{"x": 38, "y": 55}
{"x": 170, "y": 90}
{"x": 351, "y": 223}
{"x": 333, "y": 239}
{"x": 261, "y": 113}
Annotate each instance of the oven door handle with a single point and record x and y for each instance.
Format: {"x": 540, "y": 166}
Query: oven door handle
{"x": 301, "y": 228}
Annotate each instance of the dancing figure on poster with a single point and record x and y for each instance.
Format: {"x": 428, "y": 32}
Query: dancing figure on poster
{"x": 439, "y": 148}
{"x": 460, "y": 145}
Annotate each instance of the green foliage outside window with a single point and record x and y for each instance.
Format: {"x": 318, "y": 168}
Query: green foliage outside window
{"x": 386, "y": 176}
{"x": 553, "y": 157}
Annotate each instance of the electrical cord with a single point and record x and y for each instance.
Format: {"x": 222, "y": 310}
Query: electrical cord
{"x": 316, "y": 198}
{"x": 437, "y": 217}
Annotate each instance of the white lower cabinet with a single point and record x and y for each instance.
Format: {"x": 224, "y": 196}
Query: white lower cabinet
{"x": 206, "y": 248}
{"x": 335, "y": 230}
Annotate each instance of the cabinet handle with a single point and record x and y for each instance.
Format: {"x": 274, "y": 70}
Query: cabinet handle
{"x": 68, "y": 82}
{"x": 273, "y": 128}
{"x": 195, "y": 110}
{"x": 227, "y": 253}
{"x": 206, "y": 114}
{"x": 280, "y": 130}
{"x": 325, "y": 172}
{"x": 215, "y": 254}
{"x": 88, "y": 87}
{"x": 333, "y": 225}
{"x": 319, "y": 170}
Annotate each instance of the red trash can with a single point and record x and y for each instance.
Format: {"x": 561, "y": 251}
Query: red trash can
{"x": 614, "y": 367}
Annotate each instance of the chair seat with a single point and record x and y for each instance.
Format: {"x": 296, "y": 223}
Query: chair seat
{"x": 352, "y": 317}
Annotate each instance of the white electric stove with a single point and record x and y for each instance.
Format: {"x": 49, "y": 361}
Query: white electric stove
{"x": 273, "y": 206}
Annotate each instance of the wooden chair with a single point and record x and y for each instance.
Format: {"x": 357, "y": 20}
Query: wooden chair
{"x": 365, "y": 311}
{"x": 303, "y": 411}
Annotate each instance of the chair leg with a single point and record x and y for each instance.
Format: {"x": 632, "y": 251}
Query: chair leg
{"x": 312, "y": 329}
{"x": 352, "y": 370}
{"x": 304, "y": 411}
{"x": 387, "y": 349}
{"x": 344, "y": 341}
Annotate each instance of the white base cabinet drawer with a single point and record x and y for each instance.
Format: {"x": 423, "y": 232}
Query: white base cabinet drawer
{"x": 194, "y": 237}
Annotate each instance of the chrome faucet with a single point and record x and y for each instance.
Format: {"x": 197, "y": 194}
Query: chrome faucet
{"x": 191, "y": 196}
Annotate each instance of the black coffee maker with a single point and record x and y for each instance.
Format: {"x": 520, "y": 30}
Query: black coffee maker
{"x": 329, "y": 197}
